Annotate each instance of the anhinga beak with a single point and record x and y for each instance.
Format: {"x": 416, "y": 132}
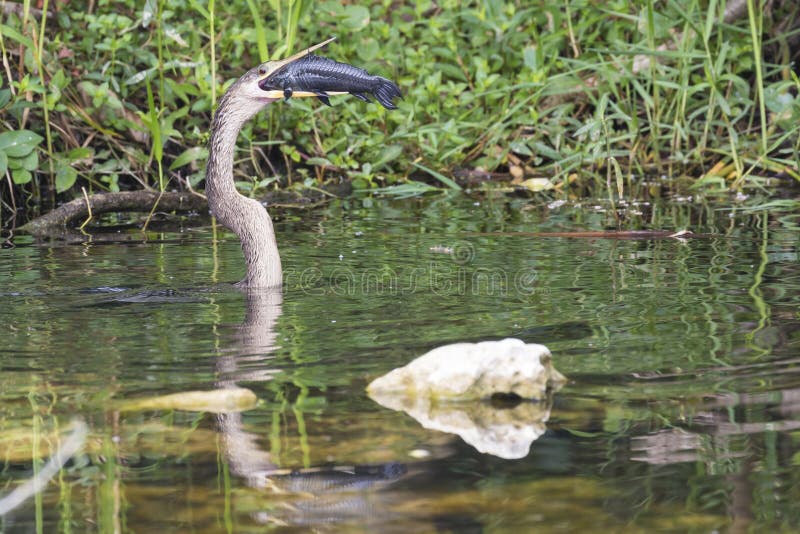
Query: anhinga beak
{"x": 271, "y": 67}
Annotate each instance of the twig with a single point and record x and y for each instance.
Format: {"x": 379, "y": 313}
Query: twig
{"x": 152, "y": 210}
{"x": 11, "y": 192}
{"x": 88, "y": 208}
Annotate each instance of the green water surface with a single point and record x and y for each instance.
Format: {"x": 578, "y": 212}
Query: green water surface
{"x": 682, "y": 410}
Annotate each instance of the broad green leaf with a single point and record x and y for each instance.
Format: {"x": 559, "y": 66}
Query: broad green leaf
{"x": 21, "y": 176}
{"x": 53, "y": 96}
{"x": 3, "y": 163}
{"x": 19, "y": 143}
{"x": 723, "y": 104}
{"x": 356, "y": 17}
{"x": 189, "y": 155}
{"x": 30, "y": 162}
{"x": 369, "y": 50}
{"x": 65, "y": 177}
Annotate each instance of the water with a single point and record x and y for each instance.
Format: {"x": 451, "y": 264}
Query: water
{"x": 682, "y": 412}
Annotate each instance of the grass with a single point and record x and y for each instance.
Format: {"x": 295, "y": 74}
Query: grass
{"x": 597, "y": 97}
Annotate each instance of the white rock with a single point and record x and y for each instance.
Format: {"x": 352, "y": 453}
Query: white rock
{"x": 447, "y": 389}
{"x": 471, "y": 371}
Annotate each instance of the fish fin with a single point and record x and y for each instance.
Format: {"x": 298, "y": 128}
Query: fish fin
{"x": 361, "y": 96}
{"x": 287, "y": 93}
{"x": 386, "y": 91}
{"x": 323, "y": 97}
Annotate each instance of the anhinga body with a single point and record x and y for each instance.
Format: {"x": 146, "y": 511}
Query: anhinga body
{"x": 246, "y": 217}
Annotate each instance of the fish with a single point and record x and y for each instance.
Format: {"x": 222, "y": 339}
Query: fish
{"x": 337, "y": 479}
{"x": 320, "y": 75}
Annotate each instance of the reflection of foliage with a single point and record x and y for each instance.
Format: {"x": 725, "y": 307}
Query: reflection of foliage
{"x": 714, "y": 449}
{"x": 653, "y": 335}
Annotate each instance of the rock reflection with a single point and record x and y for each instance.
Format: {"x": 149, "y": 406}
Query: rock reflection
{"x": 507, "y": 433}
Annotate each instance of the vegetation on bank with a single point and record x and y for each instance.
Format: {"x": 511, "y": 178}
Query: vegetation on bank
{"x": 119, "y": 96}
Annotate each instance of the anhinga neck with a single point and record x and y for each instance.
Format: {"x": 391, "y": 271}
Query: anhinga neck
{"x": 244, "y": 216}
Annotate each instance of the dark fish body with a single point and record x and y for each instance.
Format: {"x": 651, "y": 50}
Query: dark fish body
{"x": 341, "y": 479}
{"x": 319, "y": 75}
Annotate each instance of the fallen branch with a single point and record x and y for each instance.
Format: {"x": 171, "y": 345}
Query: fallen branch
{"x": 80, "y": 209}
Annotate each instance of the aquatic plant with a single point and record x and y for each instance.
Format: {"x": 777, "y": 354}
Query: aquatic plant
{"x": 582, "y": 94}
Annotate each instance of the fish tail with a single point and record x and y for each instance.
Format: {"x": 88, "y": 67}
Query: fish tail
{"x": 385, "y": 91}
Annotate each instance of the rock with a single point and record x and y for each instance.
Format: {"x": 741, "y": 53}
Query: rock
{"x": 472, "y": 371}
{"x": 448, "y": 389}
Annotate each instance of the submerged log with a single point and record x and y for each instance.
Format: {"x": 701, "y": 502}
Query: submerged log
{"x": 80, "y": 209}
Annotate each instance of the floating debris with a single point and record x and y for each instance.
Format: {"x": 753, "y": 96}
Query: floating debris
{"x": 441, "y": 249}
{"x": 226, "y": 400}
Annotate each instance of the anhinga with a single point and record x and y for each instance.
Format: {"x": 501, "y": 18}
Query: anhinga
{"x": 301, "y": 75}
